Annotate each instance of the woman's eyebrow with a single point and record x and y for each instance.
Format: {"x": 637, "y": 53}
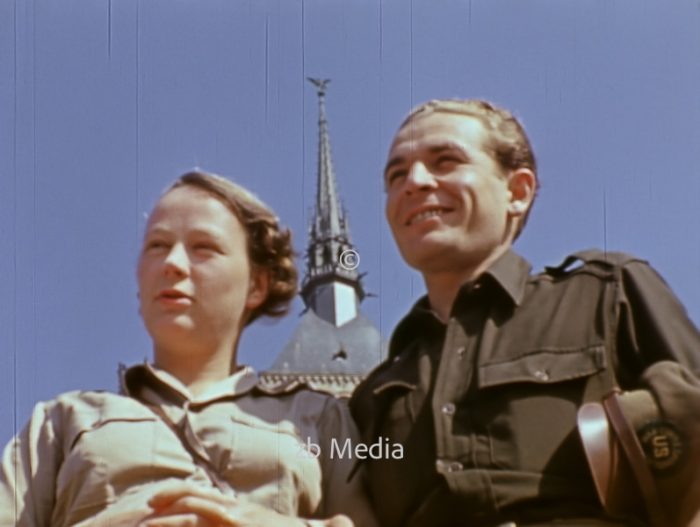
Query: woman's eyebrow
{"x": 208, "y": 232}
{"x": 157, "y": 229}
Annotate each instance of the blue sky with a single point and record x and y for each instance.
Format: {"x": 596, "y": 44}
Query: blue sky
{"x": 103, "y": 103}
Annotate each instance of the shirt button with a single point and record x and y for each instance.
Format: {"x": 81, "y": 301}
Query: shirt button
{"x": 448, "y": 409}
{"x": 542, "y": 375}
{"x": 454, "y": 466}
{"x": 444, "y": 466}
{"x": 460, "y": 351}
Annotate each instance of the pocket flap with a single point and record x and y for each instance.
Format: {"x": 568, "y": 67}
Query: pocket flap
{"x": 545, "y": 366}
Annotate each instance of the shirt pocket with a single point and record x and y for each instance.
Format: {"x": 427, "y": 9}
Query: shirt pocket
{"x": 115, "y": 452}
{"x": 275, "y": 464}
{"x": 527, "y": 405}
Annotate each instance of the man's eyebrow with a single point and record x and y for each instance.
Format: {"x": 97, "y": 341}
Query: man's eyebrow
{"x": 447, "y": 145}
{"x": 432, "y": 149}
{"x": 396, "y": 160}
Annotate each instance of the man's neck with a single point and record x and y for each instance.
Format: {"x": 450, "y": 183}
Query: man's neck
{"x": 444, "y": 285}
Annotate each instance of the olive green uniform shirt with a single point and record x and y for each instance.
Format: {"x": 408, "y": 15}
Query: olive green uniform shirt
{"x": 485, "y": 405}
{"x": 90, "y": 455}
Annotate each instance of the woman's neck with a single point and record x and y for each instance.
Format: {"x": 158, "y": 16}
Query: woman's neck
{"x": 197, "y": 369}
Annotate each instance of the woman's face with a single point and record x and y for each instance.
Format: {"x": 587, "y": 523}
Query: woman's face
{"x": 194, "y": 274}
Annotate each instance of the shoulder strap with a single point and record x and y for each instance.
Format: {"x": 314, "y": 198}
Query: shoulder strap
{"x": 283, "y": 387}
{"x": 606, "y": 381}
{"x": 606, "y": 258}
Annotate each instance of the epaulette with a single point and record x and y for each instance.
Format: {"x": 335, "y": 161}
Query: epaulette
{"x": 607, "y": 260}
{"x": 283, "y": 387}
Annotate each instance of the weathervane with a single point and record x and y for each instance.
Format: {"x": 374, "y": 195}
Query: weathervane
{"x": 320, "y": 84}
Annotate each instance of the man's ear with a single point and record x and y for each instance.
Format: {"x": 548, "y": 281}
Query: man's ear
{"x": 258, "y": 288}
{"x": 522, "y": 183}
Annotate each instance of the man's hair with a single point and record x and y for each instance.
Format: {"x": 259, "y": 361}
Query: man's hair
{"x": 269, "y": 245}
{"x": 506, "y": 140}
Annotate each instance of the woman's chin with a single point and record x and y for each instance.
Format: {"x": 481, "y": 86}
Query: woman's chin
{"x": 171, "y": 328}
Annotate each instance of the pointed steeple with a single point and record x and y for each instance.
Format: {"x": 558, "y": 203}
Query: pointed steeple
{"x": 329, "y": 219}
{"x": 334, "y": 344}
{"x": 332, "y": 286}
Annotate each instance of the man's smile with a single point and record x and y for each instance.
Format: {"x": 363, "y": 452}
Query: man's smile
{"x": 425, "y": 212}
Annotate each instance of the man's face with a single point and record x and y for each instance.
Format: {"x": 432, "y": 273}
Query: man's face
{"x": 447, "y": 199}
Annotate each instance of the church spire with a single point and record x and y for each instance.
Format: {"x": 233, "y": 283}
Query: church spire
{"x": 334, "y": 344}
{"x": 329, "y": 219}
{"x": 332, "y": 286}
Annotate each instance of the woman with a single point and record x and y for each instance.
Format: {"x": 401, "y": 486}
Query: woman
{"x": 192, "y": 439}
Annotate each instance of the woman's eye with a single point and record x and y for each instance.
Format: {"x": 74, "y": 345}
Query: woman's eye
{"x": 156, "y": 244}
{"x": 209, "y": 247}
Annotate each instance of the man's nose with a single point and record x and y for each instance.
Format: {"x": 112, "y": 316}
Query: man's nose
{"x": 419, "y": 177}
{"x": 177, "y": 261}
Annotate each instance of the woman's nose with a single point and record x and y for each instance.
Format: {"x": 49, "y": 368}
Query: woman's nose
{"x": 177, "y": 261}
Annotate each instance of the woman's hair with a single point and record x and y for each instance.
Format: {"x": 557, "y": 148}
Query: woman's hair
{"x": 269, "y": 245}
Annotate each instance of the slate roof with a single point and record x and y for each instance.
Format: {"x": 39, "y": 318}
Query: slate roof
{"x": 318, "y": 346}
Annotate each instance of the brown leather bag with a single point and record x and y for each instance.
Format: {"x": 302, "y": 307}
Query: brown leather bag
{"x": 643, "y": 446}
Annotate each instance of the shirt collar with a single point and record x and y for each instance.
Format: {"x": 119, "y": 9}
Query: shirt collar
{"x": 420, "y": 320}
{"x": 511, "y": 272}
{"x": 135, "y": 378}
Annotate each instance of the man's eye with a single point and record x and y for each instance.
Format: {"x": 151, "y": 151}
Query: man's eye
{"x": 447, "y": 160}
{"x": 395, "y": 175}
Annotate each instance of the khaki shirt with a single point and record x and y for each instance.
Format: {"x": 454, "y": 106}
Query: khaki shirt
{"x": 485, "y": 405}
{"x": 89, "y": 452}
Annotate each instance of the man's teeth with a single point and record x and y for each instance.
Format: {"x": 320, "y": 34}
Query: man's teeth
{"x": 426, "y": 214}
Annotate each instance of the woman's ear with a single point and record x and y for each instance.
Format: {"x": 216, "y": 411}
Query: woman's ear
{"x": 521, "y": 188}
{"x": 258, "y": 288}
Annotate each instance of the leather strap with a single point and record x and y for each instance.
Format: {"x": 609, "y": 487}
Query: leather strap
{"x": 629, "y": 442}
{"x": 597, "y": 445}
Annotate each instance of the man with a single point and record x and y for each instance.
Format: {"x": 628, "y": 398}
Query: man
{"x": 485, "y": 374}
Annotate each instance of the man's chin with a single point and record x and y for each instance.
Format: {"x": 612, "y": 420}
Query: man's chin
{"x": 436, "y": 254}
{"x": 423, "y": 255}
